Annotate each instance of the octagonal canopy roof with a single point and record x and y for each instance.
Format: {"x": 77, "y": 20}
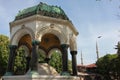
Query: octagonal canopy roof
{"x": 44, "y": 10}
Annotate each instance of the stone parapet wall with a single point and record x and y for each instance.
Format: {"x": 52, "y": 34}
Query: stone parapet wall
{"x": 40, "y": 77}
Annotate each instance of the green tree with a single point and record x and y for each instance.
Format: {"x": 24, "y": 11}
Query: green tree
{"x": 41, "y": 55}
{"x": 108, "y": 65}
{"x": 20, "y": 62}
{"x": 115, "y": 68}
{"x": 56, "y": 61}
{"x": 4, "y": 52}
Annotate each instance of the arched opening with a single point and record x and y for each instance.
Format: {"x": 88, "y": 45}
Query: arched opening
{"x": 55, "y": 30}
{"x": 41, "y": 55}
{"x": 55, "y": 56}
{"x": 25, "y": 40}
{"x": 54, "y": 50}
{"x": 20, "y": 33}
{"x": 20, "y": 60}
{"x": 49, "y": 41}
{"x": 23, "y": 55}
{"x": 50, "y": 46}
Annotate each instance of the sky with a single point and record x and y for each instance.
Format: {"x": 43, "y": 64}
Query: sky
{"x": 90, "y": 17}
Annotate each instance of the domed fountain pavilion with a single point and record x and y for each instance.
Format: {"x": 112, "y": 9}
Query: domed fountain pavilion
{"x": 46, "y": 28}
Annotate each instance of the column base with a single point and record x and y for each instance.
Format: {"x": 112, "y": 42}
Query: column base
{"x": 74, "y": 74}
{"x": 65, "y": 73}
{"x": 33, "y": 73}
{"x": 8, "y": 74}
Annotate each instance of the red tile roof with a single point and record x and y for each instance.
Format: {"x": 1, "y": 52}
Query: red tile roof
{"x": 88, "y": 66}
{"x": 91, "y": 65}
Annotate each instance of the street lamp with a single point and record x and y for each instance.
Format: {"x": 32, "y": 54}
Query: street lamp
{"x": 97, "y": 49}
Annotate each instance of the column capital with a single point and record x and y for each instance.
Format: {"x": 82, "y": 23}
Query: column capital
{"x": 73, "y": 52}
{"x": 13, "y": 46}
{"x": 35, "y": 42}
{"x": 64, "y": 45}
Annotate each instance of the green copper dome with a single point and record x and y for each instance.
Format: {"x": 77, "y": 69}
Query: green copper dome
{"x": 44, "y": 10}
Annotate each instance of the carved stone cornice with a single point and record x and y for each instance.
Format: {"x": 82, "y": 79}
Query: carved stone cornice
{"x": 45, "y": 19}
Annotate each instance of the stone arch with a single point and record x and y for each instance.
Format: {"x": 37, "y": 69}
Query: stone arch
{"x": 21, "y": 32}
{"x": 54, "y": 47}
{"x": 41, "y": 47}
{"x": 49, "y": 41}
{"x": 26, "y": 49}
{"x": 56, "y": 31}
{"x": 27, "y": 45}
{"x": 50, "y": 52}
{"x": 43, "y": 51}
{"x": 25, "y": 40}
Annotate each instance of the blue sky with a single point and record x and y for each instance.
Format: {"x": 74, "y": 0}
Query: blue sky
{"x": 90, "y": 17}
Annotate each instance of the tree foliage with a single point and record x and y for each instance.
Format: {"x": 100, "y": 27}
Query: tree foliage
{"x": 41, "y": 55}
{"x": 56, "y": 61}
{"x": 109, "y": 67}
{"x": 4, "y": 52}
{"x": 20, "y": 62}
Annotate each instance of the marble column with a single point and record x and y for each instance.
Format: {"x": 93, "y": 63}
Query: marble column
{"x": 10, "y": 67}
{"x": 64, "y": 48}
{"x": 34, "y": 56}
{"x": 74, "y": 62}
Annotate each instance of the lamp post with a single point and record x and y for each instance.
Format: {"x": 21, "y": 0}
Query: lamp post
{"x": 97, "y": 49}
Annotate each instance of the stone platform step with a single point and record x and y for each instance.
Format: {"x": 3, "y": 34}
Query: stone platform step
{"x": 40, "y": 77}
{"x": 45, "y": 69}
